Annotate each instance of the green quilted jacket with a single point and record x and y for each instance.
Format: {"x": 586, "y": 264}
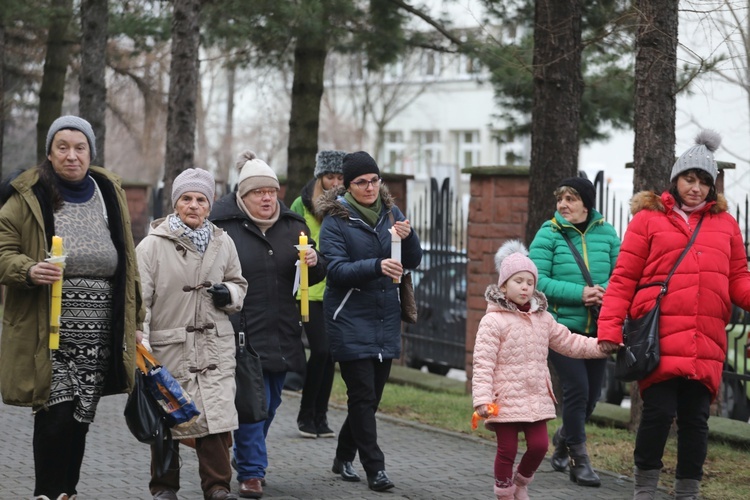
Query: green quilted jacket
{"x": 560, "y": 277}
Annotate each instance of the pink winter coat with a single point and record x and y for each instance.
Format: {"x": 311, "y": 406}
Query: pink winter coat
{"x": 696, "y": 308}
{"x": 510, "y": 358}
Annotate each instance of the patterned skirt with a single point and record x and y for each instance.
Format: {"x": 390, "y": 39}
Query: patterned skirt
{"x": 80, "y": 364}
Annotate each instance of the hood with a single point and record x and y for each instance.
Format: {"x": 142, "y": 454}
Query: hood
{"x": 496, "y": 299}
{"x": 649, "y": 200}
{"x": 333, "y": 203}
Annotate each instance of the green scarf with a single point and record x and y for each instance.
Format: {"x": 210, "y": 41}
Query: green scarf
{"x": 369, "y": 214}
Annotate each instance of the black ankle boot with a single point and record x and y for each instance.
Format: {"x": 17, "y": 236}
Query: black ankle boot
{"x": 560, "y": 459}
{"x": 580, "y": 466}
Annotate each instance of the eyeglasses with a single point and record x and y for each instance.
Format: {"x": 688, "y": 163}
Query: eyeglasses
{"x": 261, "y": 193}
{"x": 363, "y": 184}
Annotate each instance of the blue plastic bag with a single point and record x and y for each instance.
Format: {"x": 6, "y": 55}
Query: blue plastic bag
{"x": 174, "y": 401}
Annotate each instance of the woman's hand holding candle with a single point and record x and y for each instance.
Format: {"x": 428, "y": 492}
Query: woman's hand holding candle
{"x": 44, "y": 273}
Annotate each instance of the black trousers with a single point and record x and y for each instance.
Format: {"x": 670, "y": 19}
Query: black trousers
{"x": 689, "y": 400}
{"x": 365, "y": 380}
{"x": 59, "y": 444}
{"x": 320, "y": 366}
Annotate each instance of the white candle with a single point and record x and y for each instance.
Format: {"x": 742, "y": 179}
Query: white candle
{"x": 395, "y": 248}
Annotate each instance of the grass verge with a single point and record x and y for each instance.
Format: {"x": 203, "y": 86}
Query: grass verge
{"x": 726, "y": 474}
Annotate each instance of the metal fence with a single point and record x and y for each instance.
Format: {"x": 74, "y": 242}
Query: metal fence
{"x": 438, "y": 339}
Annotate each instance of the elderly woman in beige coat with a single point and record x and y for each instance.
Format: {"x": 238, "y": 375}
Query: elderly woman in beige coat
{"x": 191, "y": 279}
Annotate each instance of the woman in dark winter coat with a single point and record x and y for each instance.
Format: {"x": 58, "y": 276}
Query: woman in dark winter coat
{"x": 574, "y": 304}
{"x": 361, "y": 304}
{"x": 694, "y": 311}
{"x": 312, "y": 420}
{"x": 265, "y": 232}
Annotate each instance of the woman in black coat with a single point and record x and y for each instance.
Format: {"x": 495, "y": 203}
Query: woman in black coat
{"x": 265, "y": 232}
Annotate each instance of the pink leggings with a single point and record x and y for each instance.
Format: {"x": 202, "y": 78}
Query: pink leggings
{"x": 537, "y": 442}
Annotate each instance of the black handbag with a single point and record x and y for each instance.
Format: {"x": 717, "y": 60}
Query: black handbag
{"x": 250, "y": 398}
{"x": 594, "y": 310}
{"x": 640, "y": 354}
{"x": 148, "y": 423}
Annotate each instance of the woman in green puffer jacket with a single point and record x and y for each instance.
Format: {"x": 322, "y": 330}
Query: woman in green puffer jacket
{"x": 312, "y": 420}
{"x": 575, "y": 304}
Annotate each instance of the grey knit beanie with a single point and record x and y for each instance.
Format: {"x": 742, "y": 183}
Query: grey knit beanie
{"x": 75, "y": 123}
{"x": 700, "y": 156}
{"x": 194, "y": 180}
{"x": 328, "y": 162}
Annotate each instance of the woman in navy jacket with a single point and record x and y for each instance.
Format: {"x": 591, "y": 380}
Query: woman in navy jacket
{"x": 361, "y": 304}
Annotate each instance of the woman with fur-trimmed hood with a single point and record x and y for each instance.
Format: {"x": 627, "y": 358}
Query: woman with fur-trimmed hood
{"x": 694, "y": 311}
{"x": 361, "y": 304}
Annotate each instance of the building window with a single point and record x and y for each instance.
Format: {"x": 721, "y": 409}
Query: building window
{"x": 430, "y": 63}
{"x": 429, "y": 150}
{"x": 468, "y": 148}
{"x": 394, "y": 151}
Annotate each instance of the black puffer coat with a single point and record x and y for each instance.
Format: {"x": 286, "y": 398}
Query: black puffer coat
{"x": 271, "y": 317}
{"x": 362, "y": 308}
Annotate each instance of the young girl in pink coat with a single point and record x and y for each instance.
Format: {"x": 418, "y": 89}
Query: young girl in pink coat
{"x": 510, "y": 367}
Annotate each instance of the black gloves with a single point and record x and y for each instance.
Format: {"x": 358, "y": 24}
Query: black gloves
{"x": 220, "y": 295}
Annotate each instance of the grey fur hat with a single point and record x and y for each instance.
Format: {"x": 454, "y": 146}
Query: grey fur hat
{"x": 700, "y": 156}
{"x": 75, "y": 123}
{"x": 328, "y": 162}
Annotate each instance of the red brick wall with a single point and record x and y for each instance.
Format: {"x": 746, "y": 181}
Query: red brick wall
{"x": 498, "y": 212}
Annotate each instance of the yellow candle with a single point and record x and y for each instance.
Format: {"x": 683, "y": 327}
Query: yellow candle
{"x": 303, "y": 279}
{"x": 56, "y": 304}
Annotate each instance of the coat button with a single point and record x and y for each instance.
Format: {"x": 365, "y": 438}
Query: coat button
{"x": 270, "y": 252}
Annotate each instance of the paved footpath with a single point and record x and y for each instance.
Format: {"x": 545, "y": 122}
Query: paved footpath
{"x": 425, "y": 463}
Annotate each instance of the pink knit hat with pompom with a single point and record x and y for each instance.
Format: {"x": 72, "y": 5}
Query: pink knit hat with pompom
{"x": 512, "y": 258}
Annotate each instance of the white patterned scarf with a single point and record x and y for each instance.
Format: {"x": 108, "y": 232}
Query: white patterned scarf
{"x": 200, "y": 236}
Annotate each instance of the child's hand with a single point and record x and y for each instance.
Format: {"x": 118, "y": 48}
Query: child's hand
{"x": 482, "y": 411}
{"x": 608, "y": 347}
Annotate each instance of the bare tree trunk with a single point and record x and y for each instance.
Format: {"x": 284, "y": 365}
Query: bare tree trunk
{"x": 93, "y": 91}
{"x": 555, "y": 115}
{"x": 55, "y": 67}
{"x": 2, "y": 93}
{"x": 227, "y": 143}
{"x": 655, "y": 85}
{"x": 307, "y": 91}
{"x": 183, "y": 94}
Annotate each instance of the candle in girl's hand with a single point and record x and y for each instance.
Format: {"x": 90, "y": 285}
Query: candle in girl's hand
{"x": 303, "y": 278}
{"x": 56, "y": 302}
{"x": 395, "y": 248}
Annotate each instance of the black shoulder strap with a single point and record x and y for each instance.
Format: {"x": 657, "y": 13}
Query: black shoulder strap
{"x": 578, "y": 258}
{"x": 664, "y": 283}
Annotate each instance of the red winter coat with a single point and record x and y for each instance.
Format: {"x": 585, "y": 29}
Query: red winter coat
{"x": 696, "y": 309}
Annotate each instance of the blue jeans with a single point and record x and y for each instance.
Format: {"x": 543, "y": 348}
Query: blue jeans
{"x": 582, "y": 385}
{"x": 250, "y": 451}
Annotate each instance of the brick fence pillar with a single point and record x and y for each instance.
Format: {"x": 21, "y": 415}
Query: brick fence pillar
{"x": 138, "y": 196}
{"x": 498, "y": 211}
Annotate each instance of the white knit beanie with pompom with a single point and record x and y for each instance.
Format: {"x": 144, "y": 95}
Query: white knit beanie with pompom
{"x": 512, "y": 258}
{"x": 254, "y": 173}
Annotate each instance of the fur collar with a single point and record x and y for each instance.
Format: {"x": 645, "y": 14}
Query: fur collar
{"x": 331, "y": 204}
{"x": 648, "y": 200}
{"x": 493, "y": 295}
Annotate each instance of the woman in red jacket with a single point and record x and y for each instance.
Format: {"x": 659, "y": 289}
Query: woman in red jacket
{"x": 694, "y": 312}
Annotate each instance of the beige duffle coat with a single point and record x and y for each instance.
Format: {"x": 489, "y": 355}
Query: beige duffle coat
{"x": 186, "y": 333}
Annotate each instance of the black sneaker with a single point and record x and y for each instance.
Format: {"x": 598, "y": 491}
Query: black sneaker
{"x": 307, "y": 429}
{"x": 322, "y": 429}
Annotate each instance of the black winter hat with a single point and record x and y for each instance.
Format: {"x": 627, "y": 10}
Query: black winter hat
{"x": 356, "y": 164}
{"x": 584, "y": 187}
